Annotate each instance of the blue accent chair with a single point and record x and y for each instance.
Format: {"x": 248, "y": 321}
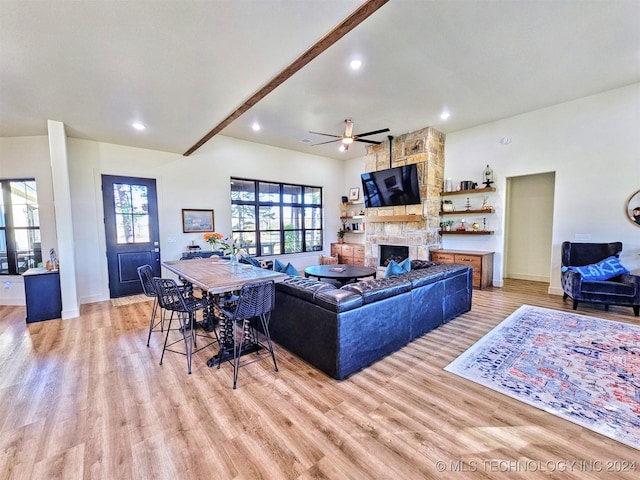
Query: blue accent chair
{"x": 622, "y": 290}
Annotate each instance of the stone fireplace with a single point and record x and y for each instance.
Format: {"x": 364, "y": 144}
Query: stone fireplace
{"x": 392, "y": 252}
{"x": 412, "y": 227}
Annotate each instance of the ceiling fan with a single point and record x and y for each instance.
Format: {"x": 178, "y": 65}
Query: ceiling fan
{"x": 348, "y": 137}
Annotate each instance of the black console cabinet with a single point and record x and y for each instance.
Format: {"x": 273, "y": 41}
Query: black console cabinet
{"x": 42, "y": 293}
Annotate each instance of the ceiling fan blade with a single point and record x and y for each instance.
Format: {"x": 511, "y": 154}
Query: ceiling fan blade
{"x": 367, "y": 141}
{"x": 372, "y": 133}
{"x": 326, "y": 134}
{"x": 330, "y": 141}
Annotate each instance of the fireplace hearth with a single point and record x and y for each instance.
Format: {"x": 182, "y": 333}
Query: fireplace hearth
{"x": 392, "y": 252}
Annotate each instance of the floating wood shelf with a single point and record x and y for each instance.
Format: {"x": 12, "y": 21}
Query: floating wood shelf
{"x": 394, "y": 218}
{"x": 466, "y": 232}
{"x": 467, "y": 192}
{"x": 464, "y": 212}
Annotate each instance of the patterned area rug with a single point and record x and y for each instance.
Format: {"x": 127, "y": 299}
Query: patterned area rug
{"x": 583, "y": 369}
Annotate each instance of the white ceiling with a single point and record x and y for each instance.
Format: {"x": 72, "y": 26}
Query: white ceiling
{"x": 181, "y": 67}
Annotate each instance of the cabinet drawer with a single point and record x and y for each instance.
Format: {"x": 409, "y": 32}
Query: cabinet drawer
{"x": 442, "y": 257}
{"x": 473, "y": 262}
{"x": 347, "y": 250}
{"x": 335, "y": 250}
{"x": 358, "y": 251}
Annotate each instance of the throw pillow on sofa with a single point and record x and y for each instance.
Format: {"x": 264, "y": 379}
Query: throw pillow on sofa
{"x": 606, "y": 269}
{"x": 289, "y": 269}
{"x": 395, "y": 268}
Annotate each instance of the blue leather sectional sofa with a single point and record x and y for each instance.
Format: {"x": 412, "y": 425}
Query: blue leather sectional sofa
{"x": 342, "y": 330}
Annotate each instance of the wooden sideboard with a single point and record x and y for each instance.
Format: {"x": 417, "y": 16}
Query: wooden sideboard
{"x": 480, "y": 262}
{"x": 348, "y": 253}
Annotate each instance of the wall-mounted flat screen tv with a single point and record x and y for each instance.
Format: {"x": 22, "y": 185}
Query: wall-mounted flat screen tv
{"x": 390, "y": 187}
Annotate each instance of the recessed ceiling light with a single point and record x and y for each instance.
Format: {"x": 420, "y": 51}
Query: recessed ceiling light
{"x": 342, "y": 148}
{"x": 255, "y": 126}
{"x": 445, "y": 115}
{"x": 138, "y": 126}
{"x": 505, "y": 140}
{"x": 355, "y": 64}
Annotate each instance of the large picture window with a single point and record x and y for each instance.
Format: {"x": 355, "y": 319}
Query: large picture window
{"x": 274, "y": 218}
{"x": 20, "y": 247}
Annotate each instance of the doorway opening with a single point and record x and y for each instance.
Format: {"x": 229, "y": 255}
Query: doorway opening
{"x": 529, "y": 227}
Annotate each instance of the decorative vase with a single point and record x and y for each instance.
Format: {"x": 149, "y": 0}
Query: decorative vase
{"x": 340, "y": 240}
{"x": 234, "y": 259}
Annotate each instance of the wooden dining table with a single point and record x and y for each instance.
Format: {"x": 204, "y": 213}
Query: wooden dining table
{"x": 217, "y": 277}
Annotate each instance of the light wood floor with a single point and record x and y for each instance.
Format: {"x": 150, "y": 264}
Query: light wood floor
{"x": 86, "y": 398}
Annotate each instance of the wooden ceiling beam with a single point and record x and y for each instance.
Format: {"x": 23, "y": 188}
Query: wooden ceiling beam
{"x": 344, "y": 27}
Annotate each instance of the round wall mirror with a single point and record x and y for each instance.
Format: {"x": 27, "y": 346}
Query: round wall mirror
{"x": 632, "y": 209}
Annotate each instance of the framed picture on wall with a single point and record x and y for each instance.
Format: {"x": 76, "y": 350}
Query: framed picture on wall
{"x": 197, "y": 220}
{"x": 354, "y": 194}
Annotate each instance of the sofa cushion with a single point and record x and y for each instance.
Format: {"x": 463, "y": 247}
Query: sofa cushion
{"x": 378, "y": 289}
{"x": 420, "y": 264}
{"x": 395, "y": 268}
{"x": 338, "y": 300}
{"x": 304, "y": 288}
{"x": 606, "y": 269}
{"x": 423, "y": 276}
{"x": 609, "y": 288}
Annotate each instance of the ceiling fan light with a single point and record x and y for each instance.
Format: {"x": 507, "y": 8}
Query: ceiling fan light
{"x": 347, "y": 140}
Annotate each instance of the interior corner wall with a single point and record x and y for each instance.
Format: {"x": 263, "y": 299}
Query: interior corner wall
{"x": 592, "y": 145}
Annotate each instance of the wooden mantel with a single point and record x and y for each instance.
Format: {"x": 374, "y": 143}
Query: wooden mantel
{"x": 393, "y": 218}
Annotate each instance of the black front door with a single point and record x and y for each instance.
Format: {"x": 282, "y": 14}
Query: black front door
{"x": 131, "y": 231}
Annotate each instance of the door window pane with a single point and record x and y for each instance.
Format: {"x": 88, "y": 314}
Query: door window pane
{"x": 131, "y": 207}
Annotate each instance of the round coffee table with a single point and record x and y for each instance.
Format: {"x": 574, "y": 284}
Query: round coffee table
{"x": 342, "y": 273}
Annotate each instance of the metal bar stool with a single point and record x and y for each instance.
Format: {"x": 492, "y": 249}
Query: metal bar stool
{"x": 145, "y": 273}
{"x": 185, "y": 306}
{"x": 254, "y": 304}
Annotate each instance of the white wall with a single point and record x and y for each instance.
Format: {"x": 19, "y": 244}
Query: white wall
{"x": 593, "y": 146}
{"x": 198, "y": 181}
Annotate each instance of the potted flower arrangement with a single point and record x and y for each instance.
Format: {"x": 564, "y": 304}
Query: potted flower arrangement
{"x": 340, "y": 234}
{"x": 229, "y": 246}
